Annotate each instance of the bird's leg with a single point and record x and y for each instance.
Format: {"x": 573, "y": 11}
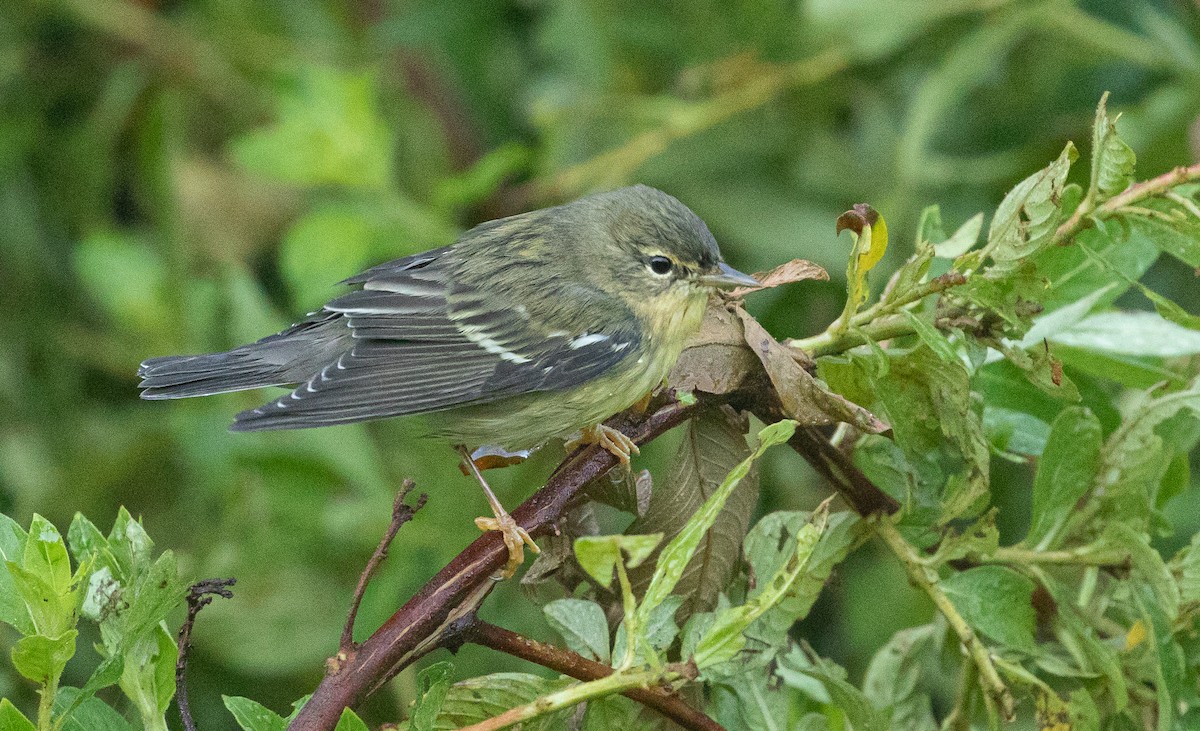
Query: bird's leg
{"x": 515, "y": 537}
{"x": 611, "y": 439}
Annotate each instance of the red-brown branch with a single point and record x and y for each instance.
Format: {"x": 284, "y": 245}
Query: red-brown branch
{"x": 421, "y": 623}
{"x": 576, "y": 666}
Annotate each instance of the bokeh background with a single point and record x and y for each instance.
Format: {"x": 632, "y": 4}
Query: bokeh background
{"x": 184, "y": 176}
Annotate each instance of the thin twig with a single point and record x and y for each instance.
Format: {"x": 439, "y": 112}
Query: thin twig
{"x": 422, "y": 623}
{"x": 569, "y": 663}
{"x": 401, "y": 514}
{"x": 200, "y": 595}
{"x": 1134, "y": 193}
{"x": 996, "y": 693}
{"x": 618, "y": 682}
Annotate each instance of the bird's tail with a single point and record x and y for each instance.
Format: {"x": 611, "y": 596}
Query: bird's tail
{"x": 183, "y": 376}
{"x": 287, "y": 358}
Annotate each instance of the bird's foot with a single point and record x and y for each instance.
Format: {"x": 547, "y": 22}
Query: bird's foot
{"x": 515, "y": 538}
{"x": 613, "y": 440}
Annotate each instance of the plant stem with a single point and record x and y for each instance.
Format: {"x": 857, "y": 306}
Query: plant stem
{"x": 1134, "y": 193}
{"x": 618, "y": 682}
{"x": 872, "y": 321}
{"x": 46, "y": 704}
{"x": 581, "y": 668}
{"x": 1084, "y": 556}
{"x": 995, "y": 692}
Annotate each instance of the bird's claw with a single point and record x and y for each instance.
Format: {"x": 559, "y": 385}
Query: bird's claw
{"x": 612, "y": 440}
{"x": 515, "y": 538}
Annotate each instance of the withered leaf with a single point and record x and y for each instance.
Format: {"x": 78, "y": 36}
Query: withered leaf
{"x": 716, "y": 360}
{"x": 802, "y": 396}
{"x": 715, "y": 443}
{"x": 796, "y": 270}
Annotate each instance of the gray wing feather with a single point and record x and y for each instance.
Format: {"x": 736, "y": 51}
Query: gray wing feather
{"x": 422, "y": 344}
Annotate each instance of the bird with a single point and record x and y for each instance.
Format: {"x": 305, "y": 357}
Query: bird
{"x": 534, "y": 327}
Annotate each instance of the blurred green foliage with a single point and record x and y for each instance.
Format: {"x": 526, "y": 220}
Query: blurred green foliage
{"x": 186, "y": 176}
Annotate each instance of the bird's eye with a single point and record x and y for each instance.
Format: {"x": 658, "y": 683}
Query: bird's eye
{"x": 660, "y": 265}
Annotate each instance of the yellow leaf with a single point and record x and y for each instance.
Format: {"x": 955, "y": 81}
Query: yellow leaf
{"x": 1136, "y": 635}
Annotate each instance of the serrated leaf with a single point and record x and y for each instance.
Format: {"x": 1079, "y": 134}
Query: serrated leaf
{"x": 1112, "y": 160}
{"x": 725, "y": 638}
{"x": 1133, "y": 464}
{"x": 768, "y": 550}
{"x": 1027, "y": 217}
{"x": 893, "y": 678}
{"x": 1175, "y": 677}
{"x": 713, "y": 445}
{"x": 41, "y": 658}
{"x": 487, "y": 696}
{"x": 1148, "y": 568}
{"x": 582, "y": 625}
{"x": 996, "y": 601}
{"x": 679, "y": 551}
{"x": 46, "y": 555}
{"x": 252, "y": 715}
{"x": 1067, "y": 470}
{"x": 13, "y": 720}
{"x": 930, "y": 335}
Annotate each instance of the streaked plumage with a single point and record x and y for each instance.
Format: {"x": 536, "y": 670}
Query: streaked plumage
{"x": 527, "y": 328}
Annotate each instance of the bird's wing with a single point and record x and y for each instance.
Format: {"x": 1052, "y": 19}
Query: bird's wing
{"x": 423, "y": 341}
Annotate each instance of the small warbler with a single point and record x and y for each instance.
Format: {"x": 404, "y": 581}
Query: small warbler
{"x": 528, "y": 328}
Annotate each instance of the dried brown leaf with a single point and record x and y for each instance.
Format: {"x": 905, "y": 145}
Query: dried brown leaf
{"x": 802, "y": 396}
{"x": 716, "y": 360}
{"x": 796, "y": 270}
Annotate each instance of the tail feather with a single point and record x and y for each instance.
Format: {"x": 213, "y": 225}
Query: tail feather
{"x": 287, "y": 358}
{"x": 204, "y": 375}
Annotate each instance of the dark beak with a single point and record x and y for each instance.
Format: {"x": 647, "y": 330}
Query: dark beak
{"x": 727, "y": 277}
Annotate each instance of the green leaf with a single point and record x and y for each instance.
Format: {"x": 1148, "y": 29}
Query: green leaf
{"x": 1112, "y": 160}
{"x": 46, "y": 555}
{"x": 328, "y": 131}
{"x": 997, "y": 601}
{"x": 1179, "y": 238}
{"x": 1133, "y": 461}
{"x": 860, "y": 713}
{"x": 962, "y": 240}
{"x": 1131, "y": 333}
{"x": 930, "y": 335}
{"x": 13, "y": 720}
{"x": 713, "y": 445}
{"x": 85, "y": 713}
{"x": 724, "y": 637}
{"x": 598, "y": 555}
{"x": 893, "y": 678}
{"x": 1027, "y": 217}
{"x": 678, "y": 553}
{"x": 433, "y": 683}
{"x": 12, "y": 547}
{"x": 350, "y": 722}
{"x": 1148, "y": 568}
{"x": 1015, "y": 433}
{"x": 618, "y": 712}
{"x": 582, "y": 625}
{"x": 252, "y": 715}
{"x": 770, "y": 546}
{"x": 487, "y": 696}
{"x": 41, "y": 658}
{"x": 1066, "y": 471}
